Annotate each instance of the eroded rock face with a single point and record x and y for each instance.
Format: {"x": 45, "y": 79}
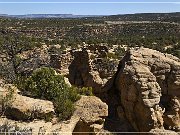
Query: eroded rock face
{"x": 81, "y": 73}
{"x": 147, "y": 80}
{"x": 90, "y": 68}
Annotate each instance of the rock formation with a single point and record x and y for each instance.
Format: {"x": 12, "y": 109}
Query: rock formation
{"x": 92, "y": 112}
{"x": 81, "y": 73}
{"x": 148, "y": 84}
{"x": 91, "y": 68}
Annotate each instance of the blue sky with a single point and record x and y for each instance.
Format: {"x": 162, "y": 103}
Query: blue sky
{"x": 87, "y": 8}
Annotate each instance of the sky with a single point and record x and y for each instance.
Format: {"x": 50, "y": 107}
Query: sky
{"x": 88, "y": 7}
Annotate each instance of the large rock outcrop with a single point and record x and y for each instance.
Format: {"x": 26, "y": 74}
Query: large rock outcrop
{"x": 148, "y": 83}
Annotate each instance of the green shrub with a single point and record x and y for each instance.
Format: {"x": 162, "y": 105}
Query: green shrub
{"x": 6, "y": 99}
{"x": 64, "y": 108}
{"x": 45, "y": 84}
{"x": 87, "y": 91}
{"x": 119, "y": 52}
{"x": 20, "y": 82}
{"x": 112, "y": 55}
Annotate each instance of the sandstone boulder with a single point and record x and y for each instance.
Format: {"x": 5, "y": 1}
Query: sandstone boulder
{"x": 26, "y": 108}
{"x": 92, "y": 112}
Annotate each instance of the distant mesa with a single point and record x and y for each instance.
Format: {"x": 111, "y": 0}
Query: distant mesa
{"x": 47, "y": 16}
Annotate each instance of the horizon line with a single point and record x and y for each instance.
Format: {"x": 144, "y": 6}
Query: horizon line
{"x": 89, "y": 2}
{"x": 90, "y": 14}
